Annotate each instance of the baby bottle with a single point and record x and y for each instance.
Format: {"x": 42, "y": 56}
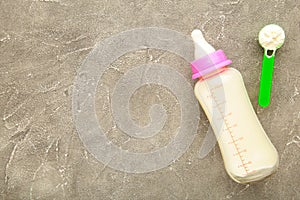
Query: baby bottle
{"x": 247, "y": 151}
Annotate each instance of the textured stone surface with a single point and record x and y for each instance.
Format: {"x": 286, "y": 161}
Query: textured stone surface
{"x": 44, "y": 42}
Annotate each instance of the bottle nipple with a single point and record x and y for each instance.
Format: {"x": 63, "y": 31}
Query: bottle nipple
{"x": 202, "y": 48}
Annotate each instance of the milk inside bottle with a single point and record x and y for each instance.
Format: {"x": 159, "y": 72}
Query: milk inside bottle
{"x": 247, "y": 151}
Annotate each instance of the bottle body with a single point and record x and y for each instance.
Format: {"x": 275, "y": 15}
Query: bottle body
{"x": 247, "y": 152}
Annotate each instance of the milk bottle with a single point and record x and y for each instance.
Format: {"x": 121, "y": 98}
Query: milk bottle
{"x": 247, "y": 151}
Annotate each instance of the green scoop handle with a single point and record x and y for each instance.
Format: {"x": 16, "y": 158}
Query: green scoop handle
{"x": 264, "y": 97}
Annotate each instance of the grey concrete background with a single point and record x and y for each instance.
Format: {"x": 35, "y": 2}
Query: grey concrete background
{"x": 43, "y": 43}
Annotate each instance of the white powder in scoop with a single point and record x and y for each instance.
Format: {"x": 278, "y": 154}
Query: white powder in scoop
{"x": 271, "y": 37}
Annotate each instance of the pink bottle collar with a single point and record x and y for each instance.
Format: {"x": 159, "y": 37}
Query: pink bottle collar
{"x": 209, "y": 63}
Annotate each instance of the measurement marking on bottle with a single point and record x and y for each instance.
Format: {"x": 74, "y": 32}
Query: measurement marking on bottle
{"x": 228, "y": 114}
{"x": 245, "y": 164}
{"x": 228, "y": 128}
{"x": 217, "y": 86}
{"x": 236, "y": 140}
{"x": 221, "y": 103}
{"x": 240, "y": 151}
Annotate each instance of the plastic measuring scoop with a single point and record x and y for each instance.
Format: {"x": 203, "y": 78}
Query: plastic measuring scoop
{"x": 271, "y": 37}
